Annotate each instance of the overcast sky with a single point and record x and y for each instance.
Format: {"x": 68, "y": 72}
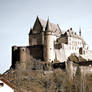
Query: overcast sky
{"x": 18, "y": 16}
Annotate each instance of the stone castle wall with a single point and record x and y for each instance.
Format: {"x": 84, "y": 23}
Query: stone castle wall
{"x": 73, "y": 68}
{"x": 36, "y": 39}
{"x": 23, "y": 54}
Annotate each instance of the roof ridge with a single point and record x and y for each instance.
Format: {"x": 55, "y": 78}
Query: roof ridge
{"x": 52, "y": 27}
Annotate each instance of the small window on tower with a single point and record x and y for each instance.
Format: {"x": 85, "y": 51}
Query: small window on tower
{"x": 23, "y": 49}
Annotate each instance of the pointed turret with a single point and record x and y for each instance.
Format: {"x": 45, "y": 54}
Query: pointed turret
{"x": 49, "y": 54}
{"x": 48, "y": 26}
{"x": 80, "y": 31}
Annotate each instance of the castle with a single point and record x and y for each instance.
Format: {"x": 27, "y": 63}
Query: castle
{"x": 49, "y": 43}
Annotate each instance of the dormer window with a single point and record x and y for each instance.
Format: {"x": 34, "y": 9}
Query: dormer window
{"x": 70, "y": 28}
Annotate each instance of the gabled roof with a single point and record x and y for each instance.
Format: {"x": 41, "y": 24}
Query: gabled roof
{"x": 71, "y": 33}
{"x": 55, "y": 28}
{"x": 7, "y": 82}
{"x": 42, "y": 22}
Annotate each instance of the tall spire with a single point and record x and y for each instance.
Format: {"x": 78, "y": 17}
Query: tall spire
{"x": 80, "y": 31}
{"x": 37, "y": 17}
{"x": 48, "y": 25}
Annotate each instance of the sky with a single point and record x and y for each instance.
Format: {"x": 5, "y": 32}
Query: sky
{"x": 18, "y": 16}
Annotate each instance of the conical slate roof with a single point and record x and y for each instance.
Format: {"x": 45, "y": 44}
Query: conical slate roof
{"x": 52, "y": 27}
{"x": 48, "y": 26}
{"x": 42, "y": 22}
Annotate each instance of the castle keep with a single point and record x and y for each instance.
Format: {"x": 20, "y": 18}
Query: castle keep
{"x": 49, "y": 43}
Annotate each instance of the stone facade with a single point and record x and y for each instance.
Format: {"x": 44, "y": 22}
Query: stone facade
{"x": 48, "y": 43}
{"x": 22, "y": 55}
{"x": 73, "y": 43}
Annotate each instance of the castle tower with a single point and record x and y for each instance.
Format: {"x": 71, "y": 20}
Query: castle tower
{"x": 15, "y": 56}
{"x": 49, "y": 54}
{"x": 19, "y": 56}
{"x": 22, "y": 57}
{"x": 36, "y": 34}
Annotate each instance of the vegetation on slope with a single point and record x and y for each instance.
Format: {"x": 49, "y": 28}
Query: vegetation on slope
{"x": 38, "y": 80}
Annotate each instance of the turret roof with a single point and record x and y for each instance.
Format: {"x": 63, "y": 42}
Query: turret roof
{"x": 53, "y": 27}
{"x": 48, "y": 26}
{"x": 42, "y": 22}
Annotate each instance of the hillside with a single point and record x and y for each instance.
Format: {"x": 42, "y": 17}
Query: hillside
{"x": 34, "y": 78}
{"x": 33, "y": 81}
{"x": 39, "y": 80}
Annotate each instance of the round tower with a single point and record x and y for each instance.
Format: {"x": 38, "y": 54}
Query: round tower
{"x": 49, "y": 54}
{"x": 22, "y": 58}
